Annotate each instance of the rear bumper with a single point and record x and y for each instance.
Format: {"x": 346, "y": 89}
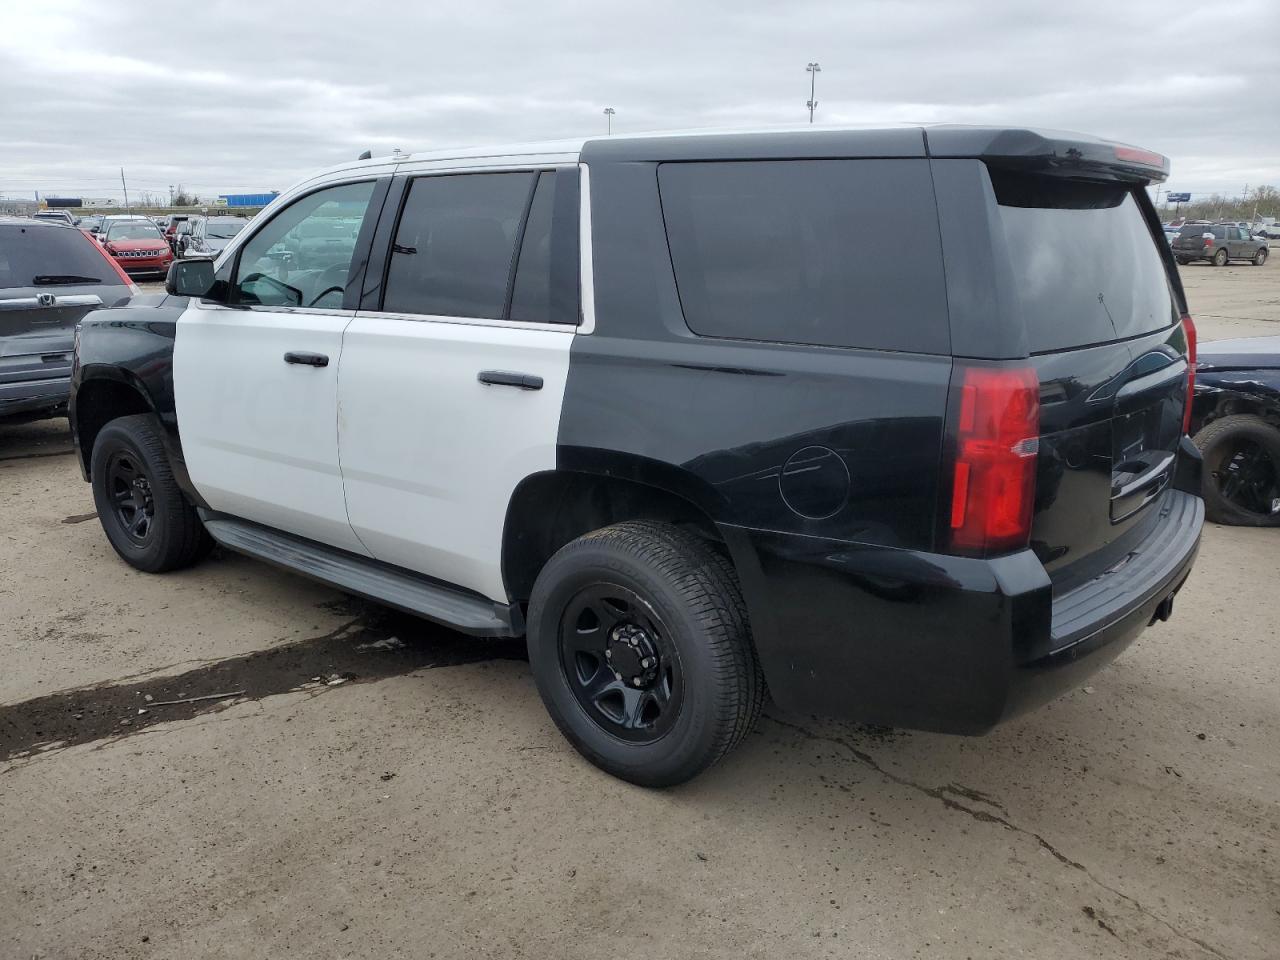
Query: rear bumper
{"x": 950, "y": 644}
{"x": 44, "y": 394}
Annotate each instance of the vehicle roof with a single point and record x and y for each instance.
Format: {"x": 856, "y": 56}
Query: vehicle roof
{"x": 934, "y": 140}
{"x": 7, "y": 220}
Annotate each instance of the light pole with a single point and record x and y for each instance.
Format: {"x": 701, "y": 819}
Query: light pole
{"x": 608, "y": 117}
{"x": 813, "y": 69}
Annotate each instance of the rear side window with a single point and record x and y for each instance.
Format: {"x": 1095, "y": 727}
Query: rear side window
{"x": 837, "y": 252}
{"x": 38, "y": 255}
{"x": 531, "y": 296}
{"x": 1086, "y": 267}
{"x": 455, "y": 243}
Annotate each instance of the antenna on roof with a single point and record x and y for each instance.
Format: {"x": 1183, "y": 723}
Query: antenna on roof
{"x": 367, "y": 155}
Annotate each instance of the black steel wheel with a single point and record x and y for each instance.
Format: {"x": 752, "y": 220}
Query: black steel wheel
{"x": 642, "y": 653}
{"x": 143, "y": 512}
{"x": 619, "y": 661}
{"x": 1241, "y": 471}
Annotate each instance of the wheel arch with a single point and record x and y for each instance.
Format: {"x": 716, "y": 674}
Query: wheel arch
{"x": 549, "y": 509}
{"x": 103, "y": 394}
{"x": 1215, "y": 403}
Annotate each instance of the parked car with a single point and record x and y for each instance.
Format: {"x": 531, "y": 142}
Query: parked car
{"x": 91, "y": 224}
{"x": 679, "y": 419}
{"x": 1237, "y": 428}
{"x": 51, "y": 275}
{"x": 137, "y": 245}
{"x": 55, "y": 216}
{"x": 1219, "y": 243}
{"x": 209, "y": 236}
{"x": 172, "y": 225}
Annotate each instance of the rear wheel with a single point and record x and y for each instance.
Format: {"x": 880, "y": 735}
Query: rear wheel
{"x": 1260, "y": 257}
{"x": 1220, "y": 258}
{"x": 641, "y": 650}
{"x": 1241, "y": 471}
{"x": 142, "y": 510}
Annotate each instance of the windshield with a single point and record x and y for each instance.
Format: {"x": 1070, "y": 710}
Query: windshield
{"x": 224, "y": 229}
{"x": 1088, "y": 268}
{"x": 133, "y": 230}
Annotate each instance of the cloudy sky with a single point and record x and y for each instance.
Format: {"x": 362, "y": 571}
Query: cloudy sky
{"x": 226, "y": 95}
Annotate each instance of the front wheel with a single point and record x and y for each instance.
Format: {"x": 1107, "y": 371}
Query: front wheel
{"x": 143, "y": 512}
{"x": 1260, "y": 257}
{"x": 1220, "y": 258}
{"x": 641, "y": 650}
{"x": 1241, "y": 471}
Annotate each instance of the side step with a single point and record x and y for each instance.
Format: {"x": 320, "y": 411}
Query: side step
{"x": 462, "y": 611}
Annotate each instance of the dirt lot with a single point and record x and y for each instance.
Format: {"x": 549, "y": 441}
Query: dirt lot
{"x": 424, "y": 806}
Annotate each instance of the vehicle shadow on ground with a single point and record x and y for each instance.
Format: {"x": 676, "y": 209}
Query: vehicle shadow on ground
{"x": 31, "y": 439}
{"x": 373, "y": 644}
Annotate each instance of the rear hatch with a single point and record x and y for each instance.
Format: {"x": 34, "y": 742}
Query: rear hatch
{"x": 1091, "y": 285}
{"x": 50, "y": 277}
{"x": 1197, "y": 238}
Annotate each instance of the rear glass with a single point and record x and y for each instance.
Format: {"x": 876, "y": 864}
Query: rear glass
{"x": 838, "y": 252}
{"x": 38, "y": 251}
{"x": 1086, "y": 267}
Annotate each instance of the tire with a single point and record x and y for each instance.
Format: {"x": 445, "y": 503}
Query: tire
{"x": 677, "y": 602}
{"x": 1241, "y": 445}
{"x": 145, "y": 515}
{"x": 1260, "y": 257}
{"x": 1181, "y": 261}
{"x": 1220, "y": 258}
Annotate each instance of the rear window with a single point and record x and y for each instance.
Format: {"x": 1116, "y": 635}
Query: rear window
{"x": 1086, "y": 267}
{"x": 837, "y": 252}
{"x": 30, "y": 256}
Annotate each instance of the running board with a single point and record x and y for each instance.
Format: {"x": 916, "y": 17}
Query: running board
{"x": 367, "y": 578}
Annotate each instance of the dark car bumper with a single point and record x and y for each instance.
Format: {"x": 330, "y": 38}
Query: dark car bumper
{"x": 948, "y": 644}
{"x": 27, "y": 396}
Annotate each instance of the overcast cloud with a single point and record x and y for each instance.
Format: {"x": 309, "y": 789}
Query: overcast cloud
{"x": 235, "y": 96}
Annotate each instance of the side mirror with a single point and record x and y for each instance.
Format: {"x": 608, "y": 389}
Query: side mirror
{"x": 190, "y": 278}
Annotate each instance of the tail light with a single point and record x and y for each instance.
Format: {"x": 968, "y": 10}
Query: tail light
{"x": 997, "y": 431}
{"x": 115, "y": 265}
{"x": 1189, "y": 328}
{"x": 1208, "y": 240}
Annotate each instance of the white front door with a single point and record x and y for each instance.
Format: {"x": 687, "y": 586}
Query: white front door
{"x": 450, "y": 395}
{"x": 256, "y": 382}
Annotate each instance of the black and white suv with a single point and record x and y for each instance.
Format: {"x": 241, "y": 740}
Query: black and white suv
{"x": 674, "y": 410}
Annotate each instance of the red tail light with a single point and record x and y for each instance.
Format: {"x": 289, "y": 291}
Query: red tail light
{"x": 1208, "y": 241}
{"x": 997, "y": 429}
{"x": 1189, "y": 327}
{"x": 115, "y": 265}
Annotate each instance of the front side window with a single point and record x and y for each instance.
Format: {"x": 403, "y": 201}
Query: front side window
{"x": 302, "y": 256}
{"x": 455, "y": 244}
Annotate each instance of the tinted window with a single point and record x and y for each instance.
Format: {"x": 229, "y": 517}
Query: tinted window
{"x": 1086, "y": 267}
{"x": 455, "y": 243}
{"x": 38, "y": 251}
{"x": 302, "y": 256}
{"x": 1219, "y": 233}
{"x": 840, "y": 252}
{"x": 531, "y": 297}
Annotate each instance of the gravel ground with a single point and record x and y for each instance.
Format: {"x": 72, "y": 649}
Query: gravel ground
{"x": 379, "y": 788}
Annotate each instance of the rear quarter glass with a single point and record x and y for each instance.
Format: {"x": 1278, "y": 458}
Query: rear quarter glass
{"x": 1086, "y": 268}
{"x": 839, "y": 253}
{"x": 27, "y": 252}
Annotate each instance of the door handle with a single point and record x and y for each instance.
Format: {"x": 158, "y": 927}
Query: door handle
{"x": 307, "y": 359}
{"x": 505, "y": 378}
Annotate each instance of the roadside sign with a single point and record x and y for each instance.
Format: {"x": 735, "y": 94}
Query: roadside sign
{"x": 1178, "y": 197}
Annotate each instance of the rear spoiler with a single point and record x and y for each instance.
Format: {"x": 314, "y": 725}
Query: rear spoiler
{"x": 1048, "y": 152}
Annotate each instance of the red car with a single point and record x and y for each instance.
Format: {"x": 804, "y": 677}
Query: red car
{"x": 137, "y": 245}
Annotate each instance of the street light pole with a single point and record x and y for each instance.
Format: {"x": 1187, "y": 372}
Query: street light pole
{"x": 813, "y": 69}
{"x": 608, "y": 116}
